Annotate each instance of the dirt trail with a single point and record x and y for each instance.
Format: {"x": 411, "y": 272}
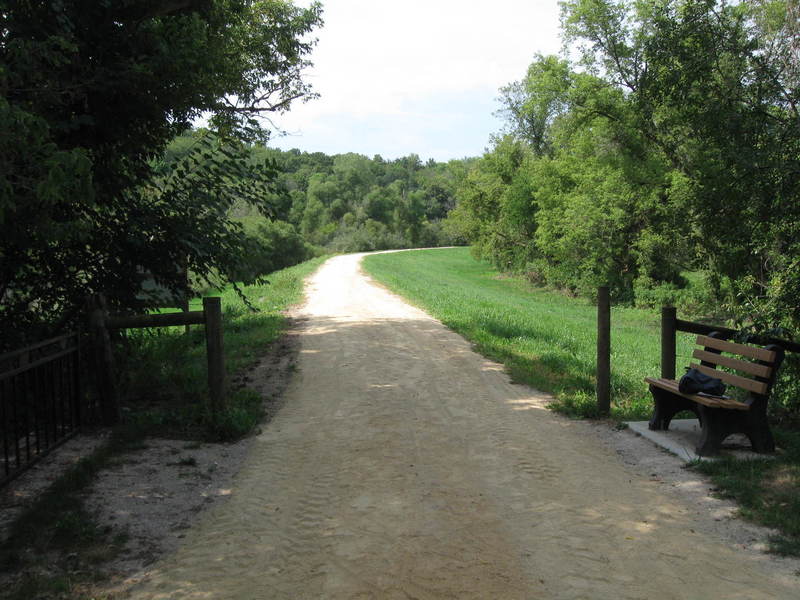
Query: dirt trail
{"x": 406, "y": 466}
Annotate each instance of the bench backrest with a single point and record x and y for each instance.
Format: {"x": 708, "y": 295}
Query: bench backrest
{"x": 756, "y": 375}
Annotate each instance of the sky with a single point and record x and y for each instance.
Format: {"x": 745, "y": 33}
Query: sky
{"x": 415, "y": 76}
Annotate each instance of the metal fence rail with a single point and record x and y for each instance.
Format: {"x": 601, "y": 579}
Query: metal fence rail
{"x": 40, "y": 401}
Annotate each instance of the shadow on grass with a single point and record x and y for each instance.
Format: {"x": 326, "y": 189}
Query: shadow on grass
{"x": 165, "y": 386}
{"x": 766, "y": 490}
{"x": 563, "y": 370}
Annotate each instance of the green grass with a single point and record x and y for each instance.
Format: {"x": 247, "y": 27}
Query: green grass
{"x": 544, "y": 338}
{"x": 767, "y": 491}
{"x": 166, "y": 379}
{"x": 548, "y": 340}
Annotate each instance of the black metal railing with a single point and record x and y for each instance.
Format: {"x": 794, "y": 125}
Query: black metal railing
{"x": 40, "y": 401}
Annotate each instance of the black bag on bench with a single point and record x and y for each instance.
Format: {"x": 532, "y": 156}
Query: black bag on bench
{"x": 695, "y": 382}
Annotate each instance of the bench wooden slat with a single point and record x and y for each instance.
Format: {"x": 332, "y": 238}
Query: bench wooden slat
{"x": 740, "y": 349}
{"x": 731, "y": 403}
{"x": 744, "y": 383}
{"x": 672, "y": 386}
{"x": 734, "y": 363}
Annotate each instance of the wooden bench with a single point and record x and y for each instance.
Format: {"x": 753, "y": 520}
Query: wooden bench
{"x": 755, "y": 373}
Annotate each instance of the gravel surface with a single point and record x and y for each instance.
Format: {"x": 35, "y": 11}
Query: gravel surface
{"x": 404, "y": 465}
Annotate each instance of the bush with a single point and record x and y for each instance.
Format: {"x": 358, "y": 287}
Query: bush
{"x": 434, "y": 234}
{"x": 784, "y": 406}
{"x": 699, "y": 293}
{"x": 271, "y": 246}
{"x": 367, "y": 237}
{"x": 652, "y": 294}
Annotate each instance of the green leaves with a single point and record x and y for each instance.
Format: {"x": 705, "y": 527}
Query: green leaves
{"x": 91, "y": 93}
{"x": 673, "y": 145}
{"x": 531, "y": 106}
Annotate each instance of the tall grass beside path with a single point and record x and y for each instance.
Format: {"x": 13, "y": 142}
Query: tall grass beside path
{"x": 166, "y": 379}
{"x": 544, "y": 338}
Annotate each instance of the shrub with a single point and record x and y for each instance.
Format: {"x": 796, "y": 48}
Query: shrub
{"x": 271, "y": 246}
{"x": 367, "y": 237}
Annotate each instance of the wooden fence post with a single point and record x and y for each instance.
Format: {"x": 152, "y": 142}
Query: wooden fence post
{"x": 185, "y": 308}
{"x": 603, "y": 350}
{"x": 186, "y": 292}
{"x": 103, "y": 361}
{"x": 212, "y": 309}
{"x": 668, "y": 330}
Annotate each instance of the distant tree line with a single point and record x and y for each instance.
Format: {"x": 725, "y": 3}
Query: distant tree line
{"x": 350, "y": 203}
{"x": 667, "y": 146}
{"x": 340, "y": 203}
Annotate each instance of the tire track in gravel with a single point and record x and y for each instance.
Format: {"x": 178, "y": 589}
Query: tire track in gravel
{"x": 403, "y": 465}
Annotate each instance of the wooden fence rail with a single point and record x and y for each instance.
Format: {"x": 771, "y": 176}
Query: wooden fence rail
{"x": 670, "y": 326}
{"x": 195, "y": 317}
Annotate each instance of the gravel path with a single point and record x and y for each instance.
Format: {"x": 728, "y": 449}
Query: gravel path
{"x": 404, "y": 465}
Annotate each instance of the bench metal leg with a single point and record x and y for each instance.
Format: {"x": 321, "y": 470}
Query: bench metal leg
{"x": 719, "y": 423}
{"x": 758, "y": 431}
{"x": 668, "y": 405}
{"x": 716, "y": 423}
{"x": 713, "y": 432}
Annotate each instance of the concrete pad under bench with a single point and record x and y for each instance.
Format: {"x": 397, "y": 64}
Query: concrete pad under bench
{"x": 683, "y": 436}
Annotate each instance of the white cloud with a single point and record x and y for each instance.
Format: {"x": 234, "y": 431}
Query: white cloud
{"x": 390, "y": 61}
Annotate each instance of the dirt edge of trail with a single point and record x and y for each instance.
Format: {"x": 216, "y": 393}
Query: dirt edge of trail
{"x": 154, "y": 493}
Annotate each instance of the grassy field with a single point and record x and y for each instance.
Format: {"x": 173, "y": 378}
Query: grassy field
{"x": 548, "y": 340}
{"x": 545, "y": 339}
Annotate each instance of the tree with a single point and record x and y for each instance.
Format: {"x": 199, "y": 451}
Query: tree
{"x": 496, "y": 211}
{"x": 713, "y": 86}
{"x": 97, "y": 90}
{"x": 575, "y": 194}
{"x": 530, "y": 106}
{"x": 351, "y": 203}
{"x": 676, "y": 146}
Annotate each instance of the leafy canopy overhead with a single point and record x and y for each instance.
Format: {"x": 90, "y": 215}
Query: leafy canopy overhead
{"x": 90, "y": 94}
{"x": 121, "y": 78}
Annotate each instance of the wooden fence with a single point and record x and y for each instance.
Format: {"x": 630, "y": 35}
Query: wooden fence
{"x": 42, "y": 403}
{"x": 603, "y": 350}
{"x": 101, "y": 323}
{"x": 670, "y": 326}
